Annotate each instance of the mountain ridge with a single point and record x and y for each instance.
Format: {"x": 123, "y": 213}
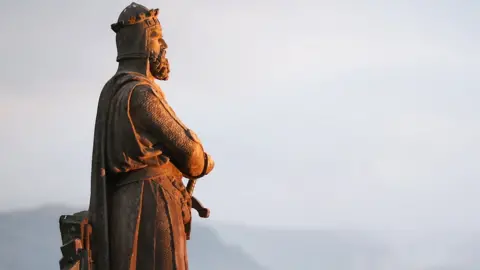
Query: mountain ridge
{"x": 31, "y": 240}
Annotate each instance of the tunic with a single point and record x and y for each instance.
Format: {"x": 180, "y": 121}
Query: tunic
{"x": 138, "y": 204}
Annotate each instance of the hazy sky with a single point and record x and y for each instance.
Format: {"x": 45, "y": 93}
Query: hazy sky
{"x": 318, "y": 113}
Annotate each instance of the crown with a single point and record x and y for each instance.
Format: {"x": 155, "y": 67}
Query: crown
{"x": 150, "y": 18}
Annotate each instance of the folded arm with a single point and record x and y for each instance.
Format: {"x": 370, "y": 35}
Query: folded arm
{"x": 154, "y": 115}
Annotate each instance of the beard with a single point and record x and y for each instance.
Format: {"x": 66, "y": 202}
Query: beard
{"x": 159, "y": 66}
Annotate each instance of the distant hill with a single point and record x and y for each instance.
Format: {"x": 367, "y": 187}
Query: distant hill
{"x": 291, "y": 249}
{"x": 283, "y": 249}
{"x": 30, "y": 240}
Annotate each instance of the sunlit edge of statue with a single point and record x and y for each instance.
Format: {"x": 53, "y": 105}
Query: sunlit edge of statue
{"x": 140, "y": 212}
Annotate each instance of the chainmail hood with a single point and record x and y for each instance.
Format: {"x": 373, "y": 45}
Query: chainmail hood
{"x": 133, "y": 30}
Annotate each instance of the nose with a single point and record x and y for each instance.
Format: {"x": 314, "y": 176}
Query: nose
{"x": 164, "y": 44}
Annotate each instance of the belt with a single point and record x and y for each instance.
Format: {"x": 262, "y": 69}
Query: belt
{"x": 149, "y": 173}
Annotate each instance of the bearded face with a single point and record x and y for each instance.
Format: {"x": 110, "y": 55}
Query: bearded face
{"x": 159, "y": 66}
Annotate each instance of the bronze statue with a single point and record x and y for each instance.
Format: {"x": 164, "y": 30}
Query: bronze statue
{"x": 140, "y": 210}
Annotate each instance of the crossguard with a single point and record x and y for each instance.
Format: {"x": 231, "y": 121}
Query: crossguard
{"x": 202, "y": 211}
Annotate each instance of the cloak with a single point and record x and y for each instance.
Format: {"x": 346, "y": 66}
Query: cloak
{"x": 101, "y": 185}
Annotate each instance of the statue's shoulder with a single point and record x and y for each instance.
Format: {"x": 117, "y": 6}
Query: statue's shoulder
{"x": 149, "y": 88}
{"x": 132, "y": 78}
{"x": 147, "y": 95}
{"x": 127, "y": 82}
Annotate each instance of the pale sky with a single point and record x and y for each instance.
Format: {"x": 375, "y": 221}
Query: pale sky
{"x": 346, "y": 114}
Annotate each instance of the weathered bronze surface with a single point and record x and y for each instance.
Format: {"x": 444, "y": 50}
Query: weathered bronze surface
{"x": 140, "y": 210}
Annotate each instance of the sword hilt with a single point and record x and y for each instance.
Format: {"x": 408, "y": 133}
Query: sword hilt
{"x": 197, "y": 205}
{"x": 203, "y": 212}
{"x": 191, "y": 185}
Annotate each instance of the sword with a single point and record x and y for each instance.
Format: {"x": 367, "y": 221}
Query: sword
{"x": 203, "y": 212}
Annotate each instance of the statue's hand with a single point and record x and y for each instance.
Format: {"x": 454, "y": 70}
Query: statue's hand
{"x": 211, "y": 164}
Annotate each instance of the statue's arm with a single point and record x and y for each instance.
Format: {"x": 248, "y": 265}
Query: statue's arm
{"x": 184, "y": 148}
